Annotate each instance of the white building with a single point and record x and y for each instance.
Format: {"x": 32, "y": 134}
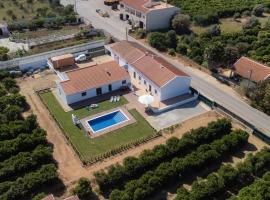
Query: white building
{"x": 148, "y": 14}
{"x": 3, "y": 30}
{"x": 150, "y": 72}
{"x": 92, "y": 81}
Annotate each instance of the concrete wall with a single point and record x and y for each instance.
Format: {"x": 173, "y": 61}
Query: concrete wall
{"x": 160, "y": 19}
{"x": 69, "y": 99}
{"x": 176, "y": 87}
{"x": 40, "y": 60}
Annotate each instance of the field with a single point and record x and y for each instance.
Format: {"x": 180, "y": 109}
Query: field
{"x": 91, "y": 148}
{"x": 27, "y": 166}
{"x": 222, "y": 7}
{"x": 22, "y": 10}
{"x": 229, "y": 25}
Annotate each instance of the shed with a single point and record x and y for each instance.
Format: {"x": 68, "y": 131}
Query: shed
{"x": 63, "y": 61}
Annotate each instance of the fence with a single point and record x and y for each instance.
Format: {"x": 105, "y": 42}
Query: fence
{"x": 41, "y": 59}
{"x": 215, "y": 105}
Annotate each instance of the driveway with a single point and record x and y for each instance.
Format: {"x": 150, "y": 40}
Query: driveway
{"x": 177, "y": 115}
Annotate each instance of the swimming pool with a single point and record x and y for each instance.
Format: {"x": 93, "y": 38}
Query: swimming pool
{"x": 108, "y": 120}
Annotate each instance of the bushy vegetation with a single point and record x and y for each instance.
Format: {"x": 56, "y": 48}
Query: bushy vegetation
{"x": 26, "y": 162}
{"x": 117, "y": 175}
{"x": 228, "y": 178}
{"x": 222, "y": 8}
{"x": 260, "y": 97}
{"x": 259, "y": 190}
{"x": 41, "y": 14}
{"x": 83, "y": 189}
{"x": 180, "y": 168}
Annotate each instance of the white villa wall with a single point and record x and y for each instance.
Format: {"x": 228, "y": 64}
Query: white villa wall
{"x": 176, "y": 87}
{"x": 73, "y": 98}
{"x": 161, "y": 18}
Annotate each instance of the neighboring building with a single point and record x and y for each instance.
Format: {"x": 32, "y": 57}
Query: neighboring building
{"x": 88, "y": 82}
{"x": 148, "y": 14}
{"x": 3, "y": 30}
{"x": 152, "y": 73}
{"x": 252, "y": 70}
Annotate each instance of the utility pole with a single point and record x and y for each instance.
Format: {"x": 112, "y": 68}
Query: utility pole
{"x": 249, "y": 79}
{"x": 75, "y": 6}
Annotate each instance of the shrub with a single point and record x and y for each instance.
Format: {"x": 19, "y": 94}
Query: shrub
{"x": 83, "y": 189}
{"x": 157, "y": 40}
{"x": 258, "y": 10}
{"x": 181, "y": 23}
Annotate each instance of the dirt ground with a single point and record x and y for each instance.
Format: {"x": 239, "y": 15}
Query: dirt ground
{"x": 69, "y": 166}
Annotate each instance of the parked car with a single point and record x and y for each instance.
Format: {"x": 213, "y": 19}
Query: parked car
{"x": 82, "y": 58}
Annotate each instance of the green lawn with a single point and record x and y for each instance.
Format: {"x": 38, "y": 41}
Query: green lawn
{"x": 90, "y": 148}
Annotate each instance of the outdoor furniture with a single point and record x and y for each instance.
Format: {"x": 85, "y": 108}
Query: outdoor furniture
{"x": 111, "y": 99}
{"x": 93, "y": 105}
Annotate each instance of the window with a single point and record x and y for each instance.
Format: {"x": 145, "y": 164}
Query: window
{"x": 99, "y": 91}
{"x": 155, "y": 91}
{"x": 83, "y": 94}
{"x": 140, "y": 78}
{"x": 134, "y": 75}
{"x": 110, "y": 87}
{"x": 144, "y": 82}
{"x": 124, "y": 82}
{"x": 150, "y": 88}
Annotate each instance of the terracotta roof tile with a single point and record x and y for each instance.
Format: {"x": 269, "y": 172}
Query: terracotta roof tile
{"x": 244, "y": 66}
{"x": 154, "y": 67}
{"x": 93, "y": 77}
{"x": 49, "y": 197}
{"x": 136, "y": 4}
{"x": 75, "y": 197}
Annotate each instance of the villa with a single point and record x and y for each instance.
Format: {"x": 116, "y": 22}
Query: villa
{"x": 84, "y": 83}
{"x": 149, "y": 72}
{"x": 147, "y": 14}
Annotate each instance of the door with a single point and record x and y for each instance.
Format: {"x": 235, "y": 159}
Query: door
{"x": 99, "y": 91}
{"x": 110, "y": 87}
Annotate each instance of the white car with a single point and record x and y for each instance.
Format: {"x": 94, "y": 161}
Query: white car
{"x": 81, "y": 58}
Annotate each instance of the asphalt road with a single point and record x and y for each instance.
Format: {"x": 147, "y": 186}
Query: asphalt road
{"x": 117, "y": 28}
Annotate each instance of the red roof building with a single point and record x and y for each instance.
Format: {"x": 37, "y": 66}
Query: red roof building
{"x": 253, "y": 70}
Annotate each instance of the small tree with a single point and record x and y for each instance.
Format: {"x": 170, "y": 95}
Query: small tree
{"x": 214, "y": 31}
{"x": 251, "y": 23}
{"x": 171, "y": 39}
{"x": 83, "y": 189}
{"x": 258, "y": 10}
{"x": 157, "y": 40}
{"x": 3, "y": 53}
{"x": 181, "y": 23}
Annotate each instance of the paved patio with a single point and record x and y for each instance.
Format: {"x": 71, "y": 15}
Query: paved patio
{"x": 170, "y": 117}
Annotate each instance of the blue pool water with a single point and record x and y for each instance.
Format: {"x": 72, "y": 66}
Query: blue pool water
{"x": 108, "y": 120}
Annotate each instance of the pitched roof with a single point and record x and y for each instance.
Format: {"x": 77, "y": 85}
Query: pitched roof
{"x": 136, "y": 4}
{"x": 93, "y": 77}
{"x": 49, "y": 197}
{"x": 155, "y": 68}
{"x": 146, "y": 5}
{"x": 75, "y": 197}
{"x": 244, "y": 66}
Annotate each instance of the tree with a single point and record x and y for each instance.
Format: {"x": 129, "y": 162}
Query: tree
{"x": 260, "y": 97}
{"x": 12, "y": 113}
{"x": 231, "y": 54}
{"x": 83, "y": 189}
{"x": 9, "y": 83}
{"x": 213, "y": 54}
{"x": 157, "y": 40}
{"x": 181, "y": 23}
{"x": 3, "y": 53}
{"x": 251, "y": 23}
{"x": 258, "y": 10}
{"x": 181, "y": 48}
{"x": 171, "y": 39}
{"x": 214, "y": 31}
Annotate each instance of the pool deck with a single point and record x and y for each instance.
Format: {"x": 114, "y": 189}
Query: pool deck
{"x": 91, "y": 134}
